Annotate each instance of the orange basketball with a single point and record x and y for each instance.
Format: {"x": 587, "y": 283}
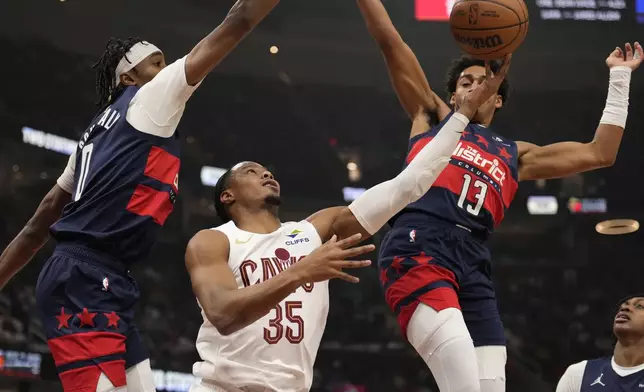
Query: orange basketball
{"x": 489, "y": 29}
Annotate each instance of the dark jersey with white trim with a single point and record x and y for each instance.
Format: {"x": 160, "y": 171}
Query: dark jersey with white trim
{"x": 125, "y": 186}
{"x": 600, "y": 376}
{"x": 476, "y": 187}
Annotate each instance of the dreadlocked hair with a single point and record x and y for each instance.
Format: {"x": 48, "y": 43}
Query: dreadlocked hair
{"x": 106, "y": 69}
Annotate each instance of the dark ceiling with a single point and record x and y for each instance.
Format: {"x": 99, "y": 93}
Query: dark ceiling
{"x": 320, "y": 41}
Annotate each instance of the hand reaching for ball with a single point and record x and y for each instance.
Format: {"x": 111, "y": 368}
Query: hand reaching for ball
{"x": 629, "y": 58}
{"x": 484, "y": 91}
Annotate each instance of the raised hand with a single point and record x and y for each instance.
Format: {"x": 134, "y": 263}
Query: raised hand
{"x": 327, "y": 261}
{"x": 484, "y": 91}
{"x": 626, "y": 58}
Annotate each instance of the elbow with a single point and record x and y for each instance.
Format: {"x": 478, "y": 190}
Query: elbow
{"x": 605, "y": 160}
{"x": 603, "y": 156}
{"x": 226, "y": 323}
{"x": 241, "y": 23}
{"x": 245, "y": 15}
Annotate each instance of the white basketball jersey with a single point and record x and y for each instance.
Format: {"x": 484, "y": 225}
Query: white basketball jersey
{"x": 277, "y": 352}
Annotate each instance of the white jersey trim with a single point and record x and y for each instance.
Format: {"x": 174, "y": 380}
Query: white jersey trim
{"x": 158, "y": 106}
{"x": 572, "y": 378}
{"x": 66, "y": 180}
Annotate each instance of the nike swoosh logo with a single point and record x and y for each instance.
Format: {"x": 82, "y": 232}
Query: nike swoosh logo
{"x": 239, "y": 242}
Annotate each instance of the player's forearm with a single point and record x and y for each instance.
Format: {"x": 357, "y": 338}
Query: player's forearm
{"x": 379, "y": 204}
{"x": 609, "y": 133}
{"x": 33, "y": 236}
{"x": 378, "y": 21}
{"x": 241, "y": 20}
{"x": 233, "y": 310}
{"x": 19, "y": 252}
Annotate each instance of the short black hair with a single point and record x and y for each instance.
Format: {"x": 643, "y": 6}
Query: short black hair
{"x": 105, "y": 68}
{"x": 464, "y": 62}
{"x": 222, "y": 184}
{"x": 628, "y": 298}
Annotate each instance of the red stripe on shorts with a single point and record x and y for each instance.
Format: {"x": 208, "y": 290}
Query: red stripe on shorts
{"x": 87, "y": 345}
{"x": 85, "y": 379}
{"x": 415, "y": 279}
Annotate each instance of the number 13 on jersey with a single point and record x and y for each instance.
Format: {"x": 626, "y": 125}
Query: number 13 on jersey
{"x": 480, "y": 191}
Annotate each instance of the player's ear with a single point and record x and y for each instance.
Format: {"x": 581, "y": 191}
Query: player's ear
{"x": 452, "y": 100}
{"x": 227, "y": 197}
{"x": 127, "y": 80}
{"x": 498, "y": 102}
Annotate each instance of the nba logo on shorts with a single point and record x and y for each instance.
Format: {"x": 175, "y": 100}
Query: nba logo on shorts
{"x": 434, "y": 10}
{"x": 412, "y": 236}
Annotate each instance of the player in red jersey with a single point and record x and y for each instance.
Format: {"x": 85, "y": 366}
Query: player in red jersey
{"x": 111, "y": 202}
{"x": 435, "y": 264}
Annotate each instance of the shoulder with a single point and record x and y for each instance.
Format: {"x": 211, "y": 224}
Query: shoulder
{"x": 577, "y": 368}
{"x": 205, "y": 245}
{"x": 524, "y": 147}
{"x": 572, "y": 378}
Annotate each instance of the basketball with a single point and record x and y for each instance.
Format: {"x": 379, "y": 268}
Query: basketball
{"x": 489, "y": 29}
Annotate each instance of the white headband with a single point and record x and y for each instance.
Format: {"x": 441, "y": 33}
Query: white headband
{"x": 133, "y": 57}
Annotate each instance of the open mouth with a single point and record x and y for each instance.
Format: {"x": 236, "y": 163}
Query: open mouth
{"x": 271, "y": 184}
{"x": 622, "y": 318}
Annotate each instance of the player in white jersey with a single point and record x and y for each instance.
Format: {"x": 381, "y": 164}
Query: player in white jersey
{"x": 624, "y": 371}
{"x": 262, "y": 284}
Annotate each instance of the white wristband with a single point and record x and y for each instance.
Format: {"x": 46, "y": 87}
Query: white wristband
{"x": 616, "y": 110}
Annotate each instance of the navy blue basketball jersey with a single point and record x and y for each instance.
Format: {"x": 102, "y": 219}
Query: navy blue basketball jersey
{"x": 475, "y": 188}
{"x": 600, "y": 376}
{"x": 125, "y": 186}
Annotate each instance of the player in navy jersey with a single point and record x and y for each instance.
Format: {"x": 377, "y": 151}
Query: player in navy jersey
{"x": 624, "y": 371}
{"x": 435, "y": 264}
{"x": 107, "y": 208}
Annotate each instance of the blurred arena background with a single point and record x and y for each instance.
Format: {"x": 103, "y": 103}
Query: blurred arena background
{"x": 308, "y": 94}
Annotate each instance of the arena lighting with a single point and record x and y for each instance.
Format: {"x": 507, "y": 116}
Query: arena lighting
{"x": 210, "y": 175}
{"x": 350, "y": 194}
{"x": 434, "y": 10}
{"x": 617, "y": 226}
{"x": 587, "y": 206}
{"x": 48, "y": 141}
{"x": 172, "y": 381}
{"x": 542, "y": 205}
{"x": 274, "y": 49}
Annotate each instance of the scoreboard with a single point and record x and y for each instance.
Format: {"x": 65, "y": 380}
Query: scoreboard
{"x": 590, "y": 10}
{"x": 549, "y": 10}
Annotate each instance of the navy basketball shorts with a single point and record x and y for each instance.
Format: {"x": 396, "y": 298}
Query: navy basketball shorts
{"x": 86, "y": 304}
{"x": 441, "y": 267}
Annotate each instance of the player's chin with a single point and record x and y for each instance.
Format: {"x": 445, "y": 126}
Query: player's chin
{"x": 621, "y": 326}
{"x": 273, "y": 198}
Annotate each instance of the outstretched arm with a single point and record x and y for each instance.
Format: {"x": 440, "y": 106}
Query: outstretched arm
{"x": 159, "y": 104}
{"x": 369, "y": 212}
{"x": 407, "y": 76}
{"x": 241, "y": 20}
{"x": 36, "y": 232}
{"x": 34, "y": 235}
{"x": 563, "y": 159}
